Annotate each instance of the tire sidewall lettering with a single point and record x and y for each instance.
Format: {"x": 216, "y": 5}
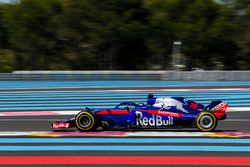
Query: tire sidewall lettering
{"x": 89, "y": 115}
{"x": 199, "y": 119}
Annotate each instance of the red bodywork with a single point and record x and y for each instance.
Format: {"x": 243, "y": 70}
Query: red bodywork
{"x": 113, "y": 111}
{"x": 58, "y": 125}
{"x": 219, "y": 110}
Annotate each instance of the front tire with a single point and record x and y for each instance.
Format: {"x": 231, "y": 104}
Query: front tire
{"x": 85, "y": 121}
{"x": 206, "y": 122}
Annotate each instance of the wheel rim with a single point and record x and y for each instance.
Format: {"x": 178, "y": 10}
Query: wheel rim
{"x": 85, "y": 121}
{"x": 206, "y": 121}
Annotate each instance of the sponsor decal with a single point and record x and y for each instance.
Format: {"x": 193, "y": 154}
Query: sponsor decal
{"x": 167, "y": 113}
{"x": 222, "y": 107}
{"x": 163, "y": 113}
{"x": 167, "y": 103}
{"x": 193, "y": 105}
{"x": 187, "y": 116}
{"x": 60, "y": 125}
{"x": 219, "y": 110}
{"x": 155, "y": 120}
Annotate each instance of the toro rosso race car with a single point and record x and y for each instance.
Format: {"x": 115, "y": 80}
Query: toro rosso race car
{"x": 157, "y": 113}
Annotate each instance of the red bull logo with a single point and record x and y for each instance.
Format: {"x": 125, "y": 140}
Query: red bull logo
{"x": 155, "y": 120}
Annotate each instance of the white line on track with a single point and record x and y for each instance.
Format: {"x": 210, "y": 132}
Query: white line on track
{"x": 124, "y": 134}
{"x": 21, "y": 133}
{"x": 237, "y": 120}
{"x": 180, "y": 89}
{"x": 132, "y": 89}
{"x": 238, "y": 109}
{"x": 168, "y": 134}
{"x": 108, "y": 133}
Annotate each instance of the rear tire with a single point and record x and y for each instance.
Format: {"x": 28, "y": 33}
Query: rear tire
{"x": 206, "y": 121}
{"x": 85, "y": 121}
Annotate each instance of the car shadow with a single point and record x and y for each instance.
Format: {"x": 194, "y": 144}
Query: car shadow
{"x": 145, "y": 130}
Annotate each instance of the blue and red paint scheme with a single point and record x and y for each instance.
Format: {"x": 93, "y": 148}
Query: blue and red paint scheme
{"x": 157, "y": 113}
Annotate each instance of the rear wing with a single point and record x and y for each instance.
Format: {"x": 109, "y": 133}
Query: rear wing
{"x": 218, "y": 108}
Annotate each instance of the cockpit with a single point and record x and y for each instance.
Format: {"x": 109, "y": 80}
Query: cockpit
{"x": 127, "y": 105}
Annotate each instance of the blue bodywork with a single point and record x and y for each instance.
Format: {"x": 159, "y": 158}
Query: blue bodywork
{"x": 158, "y": 112}
{"x": 146, "y": 116}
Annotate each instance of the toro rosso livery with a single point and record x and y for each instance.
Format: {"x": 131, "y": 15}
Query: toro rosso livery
{"x": 157, "y": 113}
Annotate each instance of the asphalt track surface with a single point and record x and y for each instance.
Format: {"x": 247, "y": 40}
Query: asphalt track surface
{"x": 237, "y": 122}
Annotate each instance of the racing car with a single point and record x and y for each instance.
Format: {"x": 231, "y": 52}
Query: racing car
{"x": 156, "y": 113}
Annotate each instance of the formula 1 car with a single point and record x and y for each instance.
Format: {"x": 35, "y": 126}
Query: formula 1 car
{"x": 157, "y": 113}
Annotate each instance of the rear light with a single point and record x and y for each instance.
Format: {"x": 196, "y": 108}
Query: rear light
{"x": 58, "y": 125}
